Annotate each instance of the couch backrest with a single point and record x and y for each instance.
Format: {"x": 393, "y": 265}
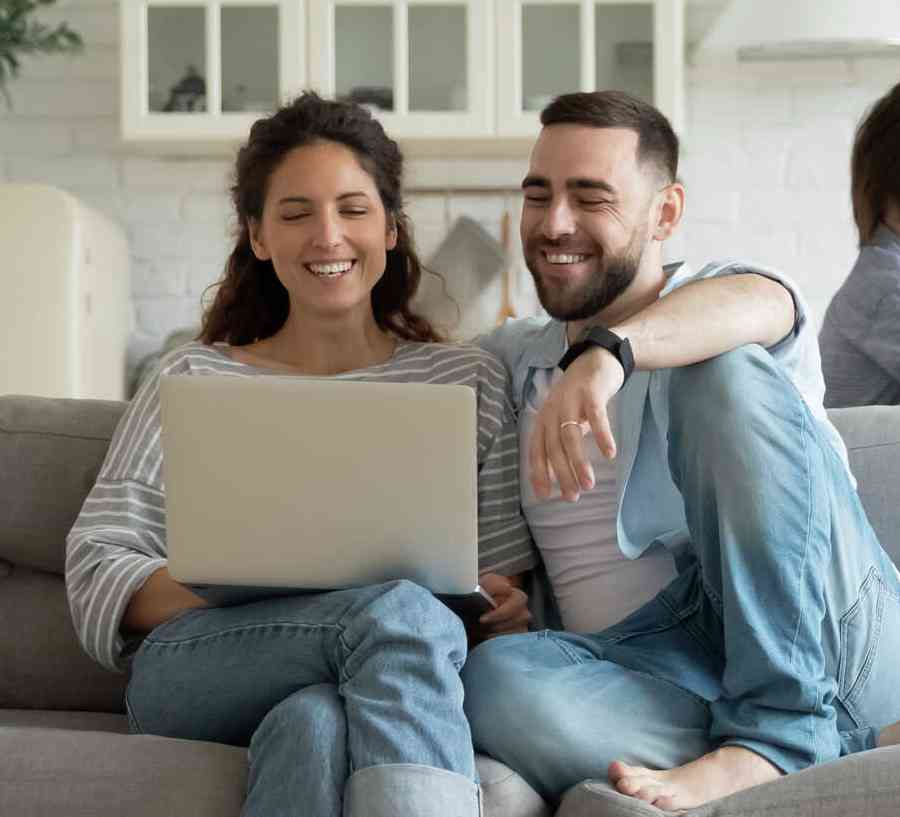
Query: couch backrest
{"x": 872, "y": 437}
{"x": 50, "y": 453}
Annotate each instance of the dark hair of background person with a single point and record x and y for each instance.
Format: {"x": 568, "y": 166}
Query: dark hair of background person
{"x": 875, "y": 166}
{"x": 250, "y": 302}
{"x": 657, "y": 141}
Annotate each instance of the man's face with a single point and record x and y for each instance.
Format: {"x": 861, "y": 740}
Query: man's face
{"x": 585, "y": 217}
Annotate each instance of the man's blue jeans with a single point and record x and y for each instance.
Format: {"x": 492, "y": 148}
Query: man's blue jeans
{"x": 781, "y": 632}
{"x": 349, "y": 700}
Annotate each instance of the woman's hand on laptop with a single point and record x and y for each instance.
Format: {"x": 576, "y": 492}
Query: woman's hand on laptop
{"x": 511, "y": 615}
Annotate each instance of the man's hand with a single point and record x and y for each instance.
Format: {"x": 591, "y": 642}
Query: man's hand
{"x": 575, "y": 406}
{"x": 511, "y": 614}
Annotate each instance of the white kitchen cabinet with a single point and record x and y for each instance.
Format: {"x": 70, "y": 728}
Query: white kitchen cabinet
{"x": 207, "y": 69}
{"x": 425, "y": 67}
{"x": 441, "y": 71}
{"x": 548, "y": 47}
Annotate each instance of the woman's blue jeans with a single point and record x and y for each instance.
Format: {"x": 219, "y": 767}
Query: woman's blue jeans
{"x": 781, "y": 632}
{"x": 360, "y": 685}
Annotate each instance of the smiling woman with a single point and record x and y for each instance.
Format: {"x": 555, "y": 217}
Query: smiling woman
{"x": 363, "y": 682}
{"x": 316, "y": 178}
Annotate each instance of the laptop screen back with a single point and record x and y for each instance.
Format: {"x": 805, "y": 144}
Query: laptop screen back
{"x": 319, "y": 483}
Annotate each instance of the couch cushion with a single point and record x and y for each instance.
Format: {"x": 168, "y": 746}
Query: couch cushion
{"x": 53, "y": 772}
{"x": 51, "y": 450}
{"x": 866, "y": 784}
{"x": 872, "y": 436}
{"x": 78, "y": 721}
{"x": 42, "y": 665}
{"x": 148, "y": 776}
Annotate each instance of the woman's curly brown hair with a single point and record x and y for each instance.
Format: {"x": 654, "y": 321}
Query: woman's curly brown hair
{"x": 250, "y": 302}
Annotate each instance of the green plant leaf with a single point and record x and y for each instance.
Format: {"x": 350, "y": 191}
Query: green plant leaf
{"x": 20, "y": 34}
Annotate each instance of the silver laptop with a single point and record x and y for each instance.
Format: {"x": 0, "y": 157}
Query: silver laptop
{"x": 319, "y": 483}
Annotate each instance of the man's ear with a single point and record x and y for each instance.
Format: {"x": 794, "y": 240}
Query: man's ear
{"x": 669, "y": 208}
{"x": 256, "y": 242}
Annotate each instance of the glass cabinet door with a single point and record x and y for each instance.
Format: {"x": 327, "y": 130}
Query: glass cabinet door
{"x": 176, "y": 59}
{"x": 549, "y": 47}
{"x": 206, "y": 69}
{"x": 250, "y": 76}
{"x": 623, "y": 48}
{"x": 543, "y": 50}
{"x": 438, "y": 45}
{"x": 422, "y": 66}
{"x": 364, "y": 55}
{"x": 550, "y": 60}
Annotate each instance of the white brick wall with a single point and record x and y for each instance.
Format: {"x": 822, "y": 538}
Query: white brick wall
{"x": 65, "y": 97}
{"x": 65, "y": 171}
{"x": 766, "y": 164}
{"x": 209, "y": 176}
{"x": 765, "y": 161}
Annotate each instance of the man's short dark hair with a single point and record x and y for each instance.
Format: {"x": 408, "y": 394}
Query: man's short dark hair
{"x": 657, "y": 141}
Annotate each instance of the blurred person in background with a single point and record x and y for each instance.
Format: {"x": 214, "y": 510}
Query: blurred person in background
{"x": 860, "y": 338}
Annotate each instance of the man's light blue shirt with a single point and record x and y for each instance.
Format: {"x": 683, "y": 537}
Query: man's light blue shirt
{"x": 650, "y": 508}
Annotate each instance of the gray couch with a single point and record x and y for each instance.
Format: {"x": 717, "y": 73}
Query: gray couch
{"x": 64, "y": 747}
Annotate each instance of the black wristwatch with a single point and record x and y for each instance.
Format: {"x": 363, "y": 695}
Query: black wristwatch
{"x": 602, "y": 337}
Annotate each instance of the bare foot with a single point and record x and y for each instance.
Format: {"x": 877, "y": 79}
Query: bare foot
{"x": 890, "y": 735}
{"x": 718, "y": 774}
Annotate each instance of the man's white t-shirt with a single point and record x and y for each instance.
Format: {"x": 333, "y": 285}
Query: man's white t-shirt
{"x": 595, "y": 585}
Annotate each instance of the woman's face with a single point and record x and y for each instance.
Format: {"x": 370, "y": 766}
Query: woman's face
{"x": 325, "y": 230}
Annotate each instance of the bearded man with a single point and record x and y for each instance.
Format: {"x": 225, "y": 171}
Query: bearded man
{"x": 729, "y": 614}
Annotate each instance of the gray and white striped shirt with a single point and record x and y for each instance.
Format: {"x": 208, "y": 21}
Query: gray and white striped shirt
{"x": 119, "y": 538}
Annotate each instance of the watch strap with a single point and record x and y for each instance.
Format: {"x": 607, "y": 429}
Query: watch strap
{"x": 600, "y": 336}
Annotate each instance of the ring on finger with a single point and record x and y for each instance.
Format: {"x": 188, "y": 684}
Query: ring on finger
{"x": 569, "y": 423}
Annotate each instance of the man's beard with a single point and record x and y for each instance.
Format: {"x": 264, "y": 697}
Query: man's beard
{"x": 613, "y": 276}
